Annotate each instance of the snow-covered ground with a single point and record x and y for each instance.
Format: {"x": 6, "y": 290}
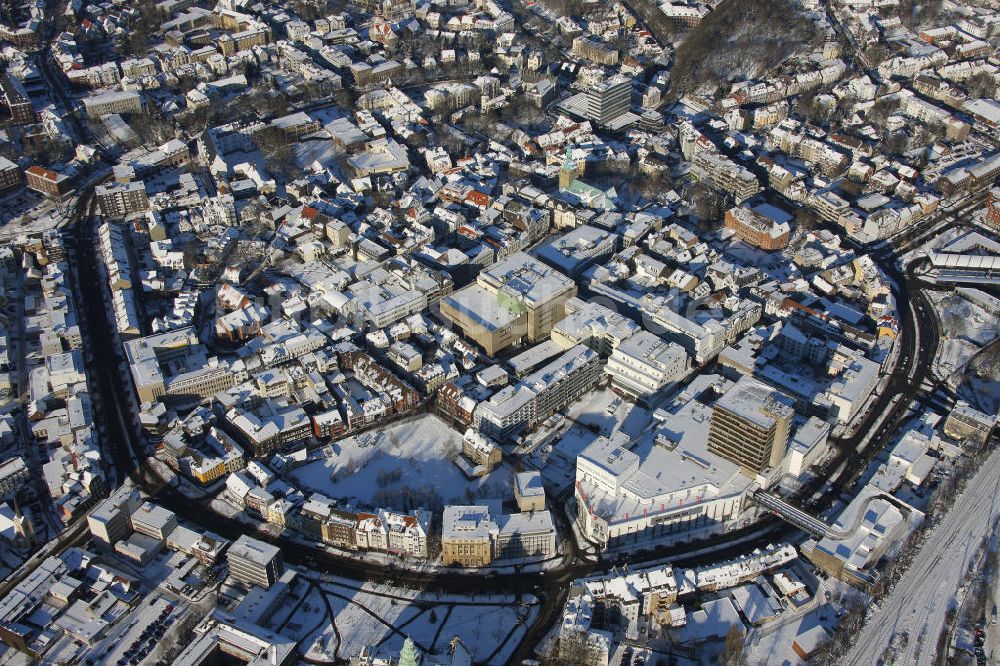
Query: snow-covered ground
{"x": 324, "y": 151}
{"x": 608, "y": 412}
{"x": 381, "y": 617}
{"x": 912, "y": 617}
{"x": 965, "y": 329}
{"x": 408, "y": 465}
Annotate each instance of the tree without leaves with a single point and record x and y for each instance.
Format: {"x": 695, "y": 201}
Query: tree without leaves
{"x": 734, "y": 646}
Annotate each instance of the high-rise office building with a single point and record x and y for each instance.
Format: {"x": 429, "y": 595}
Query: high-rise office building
{"x": 609, "y": 99}
{"x": 750, "y": 425}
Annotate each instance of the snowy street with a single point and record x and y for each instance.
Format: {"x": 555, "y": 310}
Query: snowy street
{"x": 912, "y": 617}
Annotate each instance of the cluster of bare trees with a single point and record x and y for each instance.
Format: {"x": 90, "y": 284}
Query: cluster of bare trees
{"x": 137, "y": 39}
{"x": 739, "y": 39}
{"x": 408, "y": 498}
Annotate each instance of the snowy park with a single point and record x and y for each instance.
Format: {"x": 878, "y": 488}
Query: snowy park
{"x": 406, "y": 466}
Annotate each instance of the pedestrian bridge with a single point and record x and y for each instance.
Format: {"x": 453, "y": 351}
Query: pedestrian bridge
{"x": 792, "y": 515}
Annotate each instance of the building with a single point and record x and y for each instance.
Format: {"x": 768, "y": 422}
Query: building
{"x": 120, "y": 200}
{"x": 865, "y": 530}
{"x": 466, "y": 536}
{"x": 579, "y": 249}
{"x": 529, "y": 491}
{"x": 592, "y": 325}
{"x": 481, "y": 451}
{"x": 13, "y": 474}
{"x": 524, "y": 535}
{"x": 609, "y": 99}
{"x": 101, "y": 104}
{"x": 644, "y": 364}
{"x": 51, "y": 183}
{"x": 153, "y": 521}
{"x": 174, "y": 364}
{"x": 665, "y": 485}
{"x": 750, "y": 425}
{"x": 477, "y": 535}
{"x": 254, "y": 562}
{"x": 110, "y": 522}
{"x": 17, "y": 101}
{"x": 539, "y": 395}
{"x": 725, "y": 174}
{"x": 757, "y": 229}
{"x": 595, "y": 51}
{"x": 11, "y": 177}
{"x": 514, "y": 300}
{"x": 968, "y": 423}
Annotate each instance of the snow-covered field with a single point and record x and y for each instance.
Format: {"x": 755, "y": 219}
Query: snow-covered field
{"x": 408, "y": 465}
{"x": 965, "y": 329}
{"x": 381, "y": 617}
{"x": 912, "y": 617}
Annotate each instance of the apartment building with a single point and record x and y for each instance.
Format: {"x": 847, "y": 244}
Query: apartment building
{"x": 481, "y": 451}
{"x": 17, "y": 101}
{"x": 114, "y": 101}
{"x": 965, "y": 422}
{"x": 757, "y": 229}
{"x": 120, "y": 200}
{"x": 13, "y": 473}
{"x": 254, "y": 562}
{"x": 11, "y": 177}
{"x": 539, "y": 395}
{"x": 52, "y": 184}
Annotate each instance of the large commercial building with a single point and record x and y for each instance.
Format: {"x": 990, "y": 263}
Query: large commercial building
{"x": 175, "y": 364}
{"x": 665, "y": 484}
{"x": 750, "y": 425}
{"x": 516, "y": 299}
{"x": 254, "y": 562}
